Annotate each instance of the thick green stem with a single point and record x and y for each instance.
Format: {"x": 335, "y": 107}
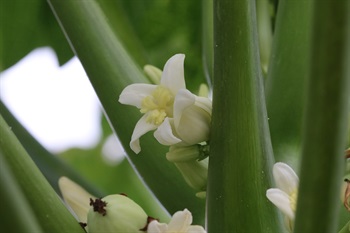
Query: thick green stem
{"x": 49, "y": 210}
{"x": 327, "y": 114}
{"x": 50, "y": 165}
{"x": 16, "y": 213}
{"x": 241, "y": 155}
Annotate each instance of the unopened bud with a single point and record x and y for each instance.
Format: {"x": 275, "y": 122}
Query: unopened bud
{"x": 115, "y": 213}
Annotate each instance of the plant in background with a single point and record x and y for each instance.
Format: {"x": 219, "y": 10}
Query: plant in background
{"x": 278, "y": 80}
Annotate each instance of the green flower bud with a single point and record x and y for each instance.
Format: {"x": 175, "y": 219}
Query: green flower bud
{"x": 186, "y": 159}
{"x": 116, "y": 213}
{"x": 153, "y": 73}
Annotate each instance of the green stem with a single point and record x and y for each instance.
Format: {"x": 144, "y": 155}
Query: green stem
{"x": 207, "y": 39}
{"x": 346, "y": 228}
{"x": 17, "y": 215}
{"x": 110, "y": 69}
{"x": 265, "y": 32}
{"x": 287, "y": 72}
{"x": 241, "y": 154}
{"x": 327, "y": 114}
{"x": 46, "y": 205}
{"x": 50, "y": 165}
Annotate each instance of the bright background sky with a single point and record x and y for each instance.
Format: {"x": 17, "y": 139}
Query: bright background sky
{"x": 57, "y": 105}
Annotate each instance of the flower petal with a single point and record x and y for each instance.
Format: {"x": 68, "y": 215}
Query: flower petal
{"x": 180, "y": 221}
{"x": 285, "y": 177}
{"x": 173, "y": 73}
{"x": 156, "y": 227}
{"x": 281, "y": 200}
{"x": 164, "y": 133}
{"x": 135, "y": 93}
{"x": 192, "y": 117}
{"x": 141, "y": 128}
{"x": 196, "y": 229}
{"x": 76, "y": 197}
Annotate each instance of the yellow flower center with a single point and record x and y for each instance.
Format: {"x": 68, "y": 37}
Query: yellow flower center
{"x": 159, "y": 104}
{"x": 293, "y": 200}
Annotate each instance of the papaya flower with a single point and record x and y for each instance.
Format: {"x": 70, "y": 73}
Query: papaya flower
{"x": 156, "y": 102}
{"x": 179, "y": 223}
{"x": 285, "y": 195}
{"x": 191, "y": 120}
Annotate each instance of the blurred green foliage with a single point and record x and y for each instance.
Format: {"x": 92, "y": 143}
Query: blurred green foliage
{"x": 26, "y": 25}
{"x": 154, "y": 29}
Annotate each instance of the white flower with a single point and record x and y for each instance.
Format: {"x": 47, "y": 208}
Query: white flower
{"x": 285, "y": 195}
{"x": 180, "y": 223}
{"x": 191, "y": 122}
{"x": 155, "y": 101}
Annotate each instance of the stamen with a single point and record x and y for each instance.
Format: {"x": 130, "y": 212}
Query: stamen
{"x": 159, "y": 104}
{"x": 293, "y": 200}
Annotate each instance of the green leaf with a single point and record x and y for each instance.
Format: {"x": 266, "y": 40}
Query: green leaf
{"x": 240, "y": 149}
{"x": 46, "y": 205}
{"x": 326, "y": 119}
{"x": 110, "y": 69}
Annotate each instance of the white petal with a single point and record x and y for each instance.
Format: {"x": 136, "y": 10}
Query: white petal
{"x": 285, "y": 177}
{"x": 183, "y": 100}
{"x": 76, "y": 197}
{"x": 180, "y": 221}
{"x": 173, "y": 73}
{"x": 164, "y": 133}
{"x": 196, "y": 229}
{"x": 156, "y": 227}
{"x": 281, "y": 200}
{"x": 141, "y": 128}
{"x": 135, "y": 93}
{"x": 191, "y": 117}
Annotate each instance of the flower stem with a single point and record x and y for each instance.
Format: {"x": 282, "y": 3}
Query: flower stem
{"x": 48, "y": 209}
{"x": 326, "y": 119}
{"x": 241, "y": 155}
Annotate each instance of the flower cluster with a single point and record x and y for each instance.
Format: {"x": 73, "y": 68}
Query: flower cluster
{"x": 179, "y": 118}
{"x": 118, "y": 213}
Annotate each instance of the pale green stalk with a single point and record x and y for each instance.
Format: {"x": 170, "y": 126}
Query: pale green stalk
{"x": 240, "y": 149}
{"x": 327, "y": 115}
{"x": 48, "y": 209}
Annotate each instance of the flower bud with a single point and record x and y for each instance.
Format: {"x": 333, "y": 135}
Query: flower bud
{"x": 153, "y": 73}
{"x": 185, "y": 159}
{"x": 115, "y": 213}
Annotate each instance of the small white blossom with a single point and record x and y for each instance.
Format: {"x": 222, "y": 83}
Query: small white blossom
{"x": 285, "y": 195}
{"x": 155, "y": 101}
{"x": 191, "y": 121}
{"x": 180, "y": 223}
